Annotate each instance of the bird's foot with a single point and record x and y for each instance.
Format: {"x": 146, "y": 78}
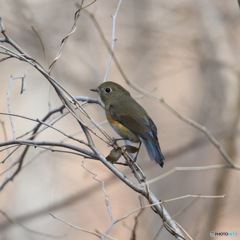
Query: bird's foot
{"x": 114, "y": 141}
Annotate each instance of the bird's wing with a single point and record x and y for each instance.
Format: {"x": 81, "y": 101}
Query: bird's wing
{"x": 142, "y": 126}
{"x": 153, "y": 128}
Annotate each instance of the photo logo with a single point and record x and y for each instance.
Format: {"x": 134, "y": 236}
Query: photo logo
{"x": 229, "y": 234}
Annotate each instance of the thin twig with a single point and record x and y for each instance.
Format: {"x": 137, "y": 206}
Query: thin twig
{"x": 46, "y": 124}
{"x": 26, "y": 228}
{"x": 73, "y": 29}
{"x": 176, "y": 215}
{"x": 133, "y": 236}
{"x": 9, "y": 154}
{"x": 184, "y": 230}
{"x": 188, "y": 169}
{"x": 48, "y": 143}
{"x": 42, "y": 44}
{"x": 8, "y": 103}
{"x": 114, "y": 17}
{"x": 74, "y": 226}
{"x": 192, "y": 196}
{"x": 6, "y": 58}
{"x": 107, "y": 201}
{"x": 9, "y": 40}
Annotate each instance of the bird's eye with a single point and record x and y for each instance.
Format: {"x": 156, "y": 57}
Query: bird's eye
{"x": 108, "y": 90}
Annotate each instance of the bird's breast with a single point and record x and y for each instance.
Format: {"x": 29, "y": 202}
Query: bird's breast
{"x": 123, "y": 131}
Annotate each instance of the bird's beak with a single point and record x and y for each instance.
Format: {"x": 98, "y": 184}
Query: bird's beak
{"x": 94, "y": 89}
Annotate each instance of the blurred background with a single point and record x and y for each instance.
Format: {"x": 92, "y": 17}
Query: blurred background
{"x": 187, "y": 52}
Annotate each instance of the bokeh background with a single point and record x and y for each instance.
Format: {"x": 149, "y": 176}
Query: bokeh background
{"x": 188, "y": 52}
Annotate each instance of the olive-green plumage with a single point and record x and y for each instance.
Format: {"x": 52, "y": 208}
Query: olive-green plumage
{"x": 129, "y": 119}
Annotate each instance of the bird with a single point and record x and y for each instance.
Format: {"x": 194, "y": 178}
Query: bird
{"x": 129, "y": 119}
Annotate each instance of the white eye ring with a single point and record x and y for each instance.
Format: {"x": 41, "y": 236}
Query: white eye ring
{"x": 108, "y": 90}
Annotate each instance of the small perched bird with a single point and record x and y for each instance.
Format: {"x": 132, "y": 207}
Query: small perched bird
{"x": 129, "y": 119}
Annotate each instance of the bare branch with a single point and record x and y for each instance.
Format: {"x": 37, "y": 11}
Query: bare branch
{"x": 74, "y": 226}
{"x": 46, "y": 124}
{"x": 26, "y": 228}
{"x": 136, "y": 219}
{"x": 188, "y": 169}
{"x": 36, "y": 144}
{"x": 73, "y": 29}
{"x": 9, "y": 154}
{"x": 107, "y": 201}
{"x": 114, "y": 17}
{"x": 193, "y": 196}
{"x": 42, "y": 45}
{"x": 8, "y": 102}
{"x": 48, "y": 143}
{"x": 9, "y": 40}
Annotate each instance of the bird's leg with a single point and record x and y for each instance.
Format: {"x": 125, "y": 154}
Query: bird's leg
{"x": 135, "y": 158}
{"x": 116, "y": 139}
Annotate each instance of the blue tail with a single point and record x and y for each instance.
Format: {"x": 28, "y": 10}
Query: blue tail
{"x": 154, "y": 152}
